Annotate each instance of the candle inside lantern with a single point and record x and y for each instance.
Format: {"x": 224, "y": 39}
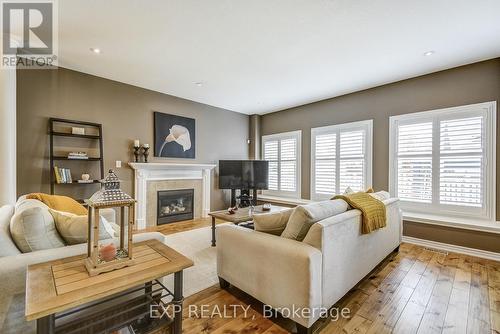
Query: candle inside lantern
{"x": 136, "y": 143}
{"x": 107, "y": 252}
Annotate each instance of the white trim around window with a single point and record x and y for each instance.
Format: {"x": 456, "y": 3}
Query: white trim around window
{"x": 283, "y": 151}
{"x": 443, "y": 162}
{"x": 341, "y": 157}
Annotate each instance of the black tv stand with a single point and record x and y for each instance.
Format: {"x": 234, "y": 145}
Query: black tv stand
{"x": 253, "y": 199}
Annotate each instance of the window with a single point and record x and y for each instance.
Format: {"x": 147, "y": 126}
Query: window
{"x": 341, "y": 158}
{"x": 283, "y": 153}
{"x": 443, "y": 161}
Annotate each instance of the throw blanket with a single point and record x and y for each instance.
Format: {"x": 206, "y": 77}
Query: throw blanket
{"x": 373, "y": 210}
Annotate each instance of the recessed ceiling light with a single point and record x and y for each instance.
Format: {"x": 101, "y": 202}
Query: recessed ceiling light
{"x": 199, "y": 83}
{"x": 95, "y": 50}
{"x": 429, "y": 53}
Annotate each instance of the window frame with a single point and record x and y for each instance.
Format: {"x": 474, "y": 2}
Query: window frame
{"x": 486, "y": 110}
{"x": 366, "y": 125}
{"x": 297, "y": 135}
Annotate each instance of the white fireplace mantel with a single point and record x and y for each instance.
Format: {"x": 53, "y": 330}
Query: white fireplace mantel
{"x": 157, "y": 171}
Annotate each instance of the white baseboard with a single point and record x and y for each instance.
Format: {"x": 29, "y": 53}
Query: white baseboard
{"x": 453, "y": 248}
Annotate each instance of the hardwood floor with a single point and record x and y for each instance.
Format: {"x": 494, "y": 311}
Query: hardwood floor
{"x": 415, "y": 291}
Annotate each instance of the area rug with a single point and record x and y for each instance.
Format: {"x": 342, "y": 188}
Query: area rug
{"x": 195, "y": 244}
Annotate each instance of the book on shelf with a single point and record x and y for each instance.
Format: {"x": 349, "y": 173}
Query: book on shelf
{"x": 57, "y": 174}
{"x": 68, "y": 175}
{"x": 78, "y": 155}
{"x": 63, "y": 175}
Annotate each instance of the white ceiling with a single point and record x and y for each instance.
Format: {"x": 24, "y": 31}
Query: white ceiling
{"x": 259, "y": 56}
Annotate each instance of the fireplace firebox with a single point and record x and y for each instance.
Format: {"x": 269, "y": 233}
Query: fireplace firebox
{"x": 175, "y": 205}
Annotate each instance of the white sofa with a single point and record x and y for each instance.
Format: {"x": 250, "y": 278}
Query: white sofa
{"x": 13, "y": 269}
{"x": 309, "y": 275}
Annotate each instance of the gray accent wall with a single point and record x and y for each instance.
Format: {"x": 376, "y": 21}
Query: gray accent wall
{"x": 479, "y": 82}
{"x": 126, "y": 113}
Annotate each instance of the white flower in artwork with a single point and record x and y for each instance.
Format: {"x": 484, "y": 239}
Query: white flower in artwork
{"x": 180, "y": 135}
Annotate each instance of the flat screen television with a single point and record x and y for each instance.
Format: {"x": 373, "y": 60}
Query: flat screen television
{"x": 243, "y": 174}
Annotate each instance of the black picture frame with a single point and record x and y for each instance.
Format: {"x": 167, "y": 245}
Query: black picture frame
{"x": 175, "y": 136}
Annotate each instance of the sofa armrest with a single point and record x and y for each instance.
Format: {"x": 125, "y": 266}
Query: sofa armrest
{"x": 13, "y": 268}
{"x": 280, "y": 272}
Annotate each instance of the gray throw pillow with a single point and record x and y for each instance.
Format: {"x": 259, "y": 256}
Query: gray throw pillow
{"x": 303, "y": 216}
{"x": 272, "y": 223}
{"x": 33, "y": 229}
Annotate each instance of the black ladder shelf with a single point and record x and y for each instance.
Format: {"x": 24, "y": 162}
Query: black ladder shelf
{"x": 59, "y": 133}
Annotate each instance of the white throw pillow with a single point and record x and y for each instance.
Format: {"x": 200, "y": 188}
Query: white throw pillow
{"x": 33, "y": 229}
{"x": 74, "y": 228}
{"x": 381, "y": 195}
{"x": 303, "y": 216}
{"x": 272, "y": 223}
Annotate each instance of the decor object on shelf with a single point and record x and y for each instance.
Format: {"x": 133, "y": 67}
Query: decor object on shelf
{"x": 137, "y": 149}
{"x": 77, "y": 130}
{"x": 145, "y": 149}
{"x": 174, "y": 136}
{"x": 85, "y": 177}
{"x": 109, "y": 196}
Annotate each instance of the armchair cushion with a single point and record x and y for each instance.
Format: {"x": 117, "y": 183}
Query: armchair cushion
{"x": 272, "y": 223}
{"x": 304, "y": 216}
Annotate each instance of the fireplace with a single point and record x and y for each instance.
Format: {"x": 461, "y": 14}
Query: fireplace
{"x": 175, "y": 205}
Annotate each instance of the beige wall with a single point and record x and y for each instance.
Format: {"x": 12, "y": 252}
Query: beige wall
{"x": 126, "y": 113}
{"x": 474, "y": 83}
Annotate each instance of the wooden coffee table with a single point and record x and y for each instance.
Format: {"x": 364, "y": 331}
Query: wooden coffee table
{"x": 242, "y": 215}
{"x": 63, "y": 288}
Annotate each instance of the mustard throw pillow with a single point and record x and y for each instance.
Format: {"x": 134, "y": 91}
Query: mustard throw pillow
{"x": 59, "y": 203}
{"x": 74, "y": 228}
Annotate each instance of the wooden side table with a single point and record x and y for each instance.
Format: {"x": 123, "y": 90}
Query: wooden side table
{"x": 63, "y": 288}
{"x": 242, "y": 215}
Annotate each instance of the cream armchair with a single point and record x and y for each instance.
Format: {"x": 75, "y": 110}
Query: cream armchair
{"x": 302, "y": 280}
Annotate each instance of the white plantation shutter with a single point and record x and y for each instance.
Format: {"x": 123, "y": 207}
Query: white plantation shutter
{"x": 341, "y": 158}
{"x": 444, "y": 161}
{"x": 415, "y": 162}
{"x": 352, "y": 160}
{"x": 325, "y": 167}
{"x": 461, "y": 161}
{"x": 283, "y": 153}
{"x": 288, "y": 168}
{"x": 271, "y": 154}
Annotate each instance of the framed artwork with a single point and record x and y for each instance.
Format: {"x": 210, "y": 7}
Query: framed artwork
{"x": 174, "y": 136}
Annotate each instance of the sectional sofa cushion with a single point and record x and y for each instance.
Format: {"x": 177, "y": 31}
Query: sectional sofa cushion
{"x": 7, "y": 245}
{"x": 272, "y": 223}
{"x": 74, "y": 228}
{"x": 303, "y": 216}
{"x": 32, "y": 228}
